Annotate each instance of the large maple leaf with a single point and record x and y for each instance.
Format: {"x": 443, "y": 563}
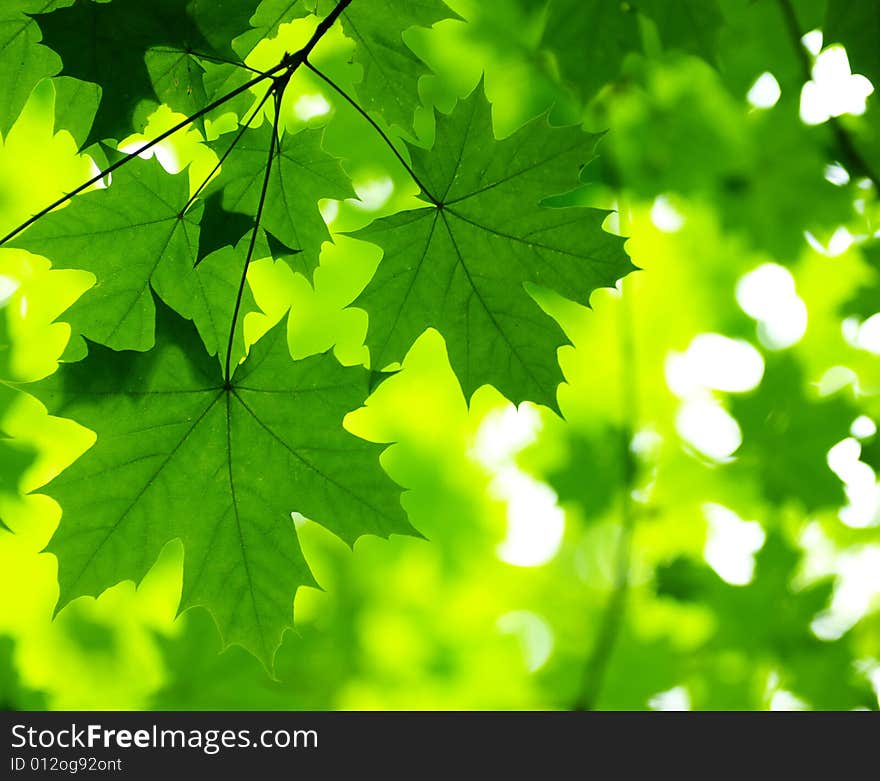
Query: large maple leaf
{"x": 460, "y": 265}
{"x": 24, "y": 62}
{"x": 131, "y": 236}
{"x": 181, "y": 454}
{"x": 140, "y": 51}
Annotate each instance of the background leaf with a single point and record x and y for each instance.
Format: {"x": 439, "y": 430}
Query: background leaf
{"x": 233, "y": 459}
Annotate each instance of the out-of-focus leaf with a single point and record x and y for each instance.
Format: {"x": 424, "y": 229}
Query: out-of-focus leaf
{"x": 391, "y": 69}
{"x": 770, "y": 621}
{"x": 13, "y": 694}
{"x": 23, "y": 60}
{"x": 787, "y": 431}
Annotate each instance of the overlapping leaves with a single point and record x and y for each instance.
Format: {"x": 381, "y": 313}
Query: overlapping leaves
{"x": 301, "y": 176}
{"x": 219, "y": 456}
{"x": 23, "y": 60}
{"x": 138, "y": 52}
{"x": 391, "y": 71}
{"x": 137, "y": 218}
{"x": 762, "y": 631}
{"x": 689, "y": 25}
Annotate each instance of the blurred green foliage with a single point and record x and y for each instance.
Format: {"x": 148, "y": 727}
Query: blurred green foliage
{"x": 677, "y": 538}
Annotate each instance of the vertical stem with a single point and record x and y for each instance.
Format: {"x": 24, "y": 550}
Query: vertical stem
{"x": 382, "y": 134}
{"x": 615, "y": 608}
{"x": 278, "y": 90}
{"x": 846, "y": 147}
{"x": 242, "y": 130}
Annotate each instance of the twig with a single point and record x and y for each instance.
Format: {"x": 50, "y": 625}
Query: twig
{"x": 846, "y": 147}
{"x": 375, "y": 127}
{"x": 288, "y": 65}
{"x": 208, "y": 57}
{"x": 614, "y": 613}
{"x": 279, "y": 93}
{"x": 226, "y": 154}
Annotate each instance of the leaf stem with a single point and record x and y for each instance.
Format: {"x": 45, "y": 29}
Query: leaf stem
{"x": 615, "y": 608}
{"x": 226, "y": 154}
{"x": 132, "y": 155}
{"x": 278, "y": 91}
{"x": 288, "y": 66}
{"x": 375, "y": 127}
{"x": 846, "y": 147}
{"x": 208, "y": 57}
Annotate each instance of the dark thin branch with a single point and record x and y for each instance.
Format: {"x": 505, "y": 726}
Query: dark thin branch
{"x": 287, "y": 66}
{"x": 208, "y": 57}
{"x": 615, "y": 608}
{"x": 276, "y": 135}
{"x": 320, "y": 31}
{"x": 847, "y": 150}
{"x": 245, "y": 126}
{"x": 132, "y": 155}
{"x": 278, "y": 90}
{"x": 375, "y": 127}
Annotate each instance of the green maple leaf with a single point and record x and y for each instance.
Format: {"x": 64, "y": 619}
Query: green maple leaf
{"x": 592, "y": 38}
{"x": 462, "y": 268}
{"x": 587, "y": 59}
{"x": 221, "y": 466}
{"x": 130, "y": 236}
{"x": 690, "y": 25}
{"x": 267, "y": 19}
{"x": 76, "y": 103}
{"x": 109, "y": 44}
{"x": 138, "y": 219}
{"x": 217, "y": 279}
{"x": 391, "y": 69}
{"x": 23, "y": 61}
{"x": 857, "y": 27}
{"x": 302, "y": 174}
{"x": 787, "y": 434}
{"x": 16, "y": 458}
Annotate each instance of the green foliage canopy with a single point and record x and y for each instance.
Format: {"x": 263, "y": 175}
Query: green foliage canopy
{"x": 423, "y": 187}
